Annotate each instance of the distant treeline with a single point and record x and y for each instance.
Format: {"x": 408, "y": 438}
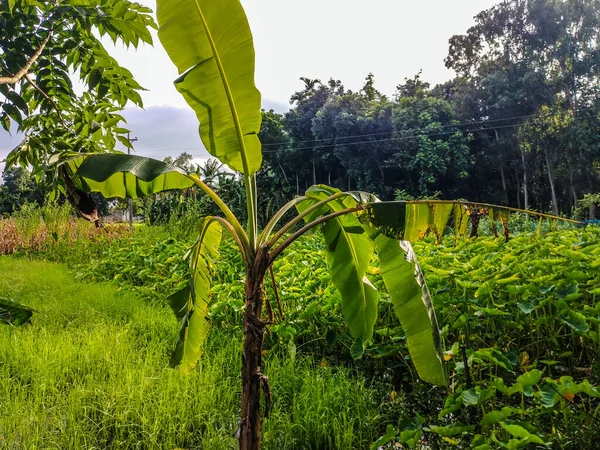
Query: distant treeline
{"x": 519, "y": 125}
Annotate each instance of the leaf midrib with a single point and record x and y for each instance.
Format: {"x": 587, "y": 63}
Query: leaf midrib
{"x": 227, "y": 88}
{"x": 356, "y": 261}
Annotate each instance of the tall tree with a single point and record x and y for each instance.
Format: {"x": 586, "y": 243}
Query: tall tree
{"x": 431, "y": 152}
{"x": 18, "y": 187}
{"x": 522, "y": 55}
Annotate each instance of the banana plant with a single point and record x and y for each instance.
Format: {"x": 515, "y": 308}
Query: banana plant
{"x": 13, "y": 313}
{"x": 211, "y": 44}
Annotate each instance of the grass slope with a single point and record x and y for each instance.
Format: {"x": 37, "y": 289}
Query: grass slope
{"x": 91, "y": 372}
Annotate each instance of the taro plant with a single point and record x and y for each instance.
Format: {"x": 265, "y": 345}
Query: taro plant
{"x": 211, "y": 45}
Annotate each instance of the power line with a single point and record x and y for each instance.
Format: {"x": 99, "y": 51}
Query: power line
{"x": 412, "y": 130}
{"x": 402, "y": 138}
{"x": 472, "y": 122}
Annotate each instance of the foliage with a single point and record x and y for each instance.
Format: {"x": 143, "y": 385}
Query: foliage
{"x": 18, "y": 187}
{"x": 216, "y": 66}
{"x": 523, "y": 340}
{"x": 47, "y": 47}
{"x": 503, "y": 304}
{"x": 120, "y": 392}
{"x": 51, "y": 230}
{"x": 14, "y": 313}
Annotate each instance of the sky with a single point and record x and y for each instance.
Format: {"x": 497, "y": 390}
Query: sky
{"x": 341, "y": 39}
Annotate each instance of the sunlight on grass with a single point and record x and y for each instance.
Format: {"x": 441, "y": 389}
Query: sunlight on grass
{"x": 91, "y": 371}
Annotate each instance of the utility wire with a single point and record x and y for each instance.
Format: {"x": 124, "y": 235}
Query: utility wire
{"x": 472, "y": 122}
{"x": 415, "y": 136}
{"x": 412, "y": 130}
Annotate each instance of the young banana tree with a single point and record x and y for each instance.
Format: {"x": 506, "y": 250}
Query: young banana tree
{"x": 211, "y": 44}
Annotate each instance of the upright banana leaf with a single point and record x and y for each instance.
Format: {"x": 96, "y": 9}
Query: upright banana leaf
{"x": 13, "y": 313}
{"x": 349, "y": 251}
{"x": 211, "y": 44}
{"x": 120, "y": 175}
{"x": 190, "y": 304}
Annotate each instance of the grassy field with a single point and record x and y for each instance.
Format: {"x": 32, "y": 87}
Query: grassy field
{"x": 520, "y": 321}
{"x": 91, "y": 372}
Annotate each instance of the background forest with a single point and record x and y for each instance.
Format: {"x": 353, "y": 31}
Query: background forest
{"x": 518, "y": 125}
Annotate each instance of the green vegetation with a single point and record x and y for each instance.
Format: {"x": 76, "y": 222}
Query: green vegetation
{"x": 91, "y": 370}
{"x": 215, "y": 62}
{"x": 528, "y": 332}
{"x": 522, "y": 338}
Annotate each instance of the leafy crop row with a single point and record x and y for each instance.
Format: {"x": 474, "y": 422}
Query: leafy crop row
{"x": 520, "y": 320}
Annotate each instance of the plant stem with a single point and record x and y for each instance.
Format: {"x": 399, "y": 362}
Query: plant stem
{"x": 243, "y": 237}
{"x": 23, "y": 71}
{"x": 303, "y": 214}
{"x": 252, "y": 378}
{"x": 264, "y": 235}
{"x": 252, "y": 208}
{"x": 311, "y": 225}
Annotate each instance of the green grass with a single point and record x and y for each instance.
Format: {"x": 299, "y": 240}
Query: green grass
{"x": 91, "y": 372}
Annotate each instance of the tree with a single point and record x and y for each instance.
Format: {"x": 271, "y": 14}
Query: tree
{"x": 43, "y": 47}
{"x": 431, "y": 150}
{"x": 216, "y": 61}
{"x": 18, "y": 188}
{"x": 304, "y": 157}
{"x": 522, "y": 55}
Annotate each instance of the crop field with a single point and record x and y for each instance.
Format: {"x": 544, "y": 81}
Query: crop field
{"x": 92, "y": 371}
{"x": 520, "y": 322}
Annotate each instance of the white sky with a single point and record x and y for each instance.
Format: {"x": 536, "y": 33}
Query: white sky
{"x": 341, "y": 39}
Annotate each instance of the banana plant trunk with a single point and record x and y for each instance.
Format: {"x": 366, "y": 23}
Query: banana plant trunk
{"x": 252, "y": 378}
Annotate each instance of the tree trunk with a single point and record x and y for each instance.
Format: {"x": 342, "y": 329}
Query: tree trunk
{"x": 518, "y": 187}
{"x": 314, "y": 173}
{"x": 572, "y": 184}
{"x": 551, "y": 180}
{"x": 252, "y": 378}
{"x": 504, "y": 190}
{"x": 525, "y": 194}
{"x": 284, "y": 174}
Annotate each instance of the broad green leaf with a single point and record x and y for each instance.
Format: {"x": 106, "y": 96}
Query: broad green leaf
{"x": 14, "y": 313}
{"x": 494, "y": 356}
{"x": 349, "y": 251}
{"x": 126, "y": 176}
{"x": 493, "y": 417}
{"x": 406, "y": 286}
{"x": 411, "y": 221}
{"x": 530, "y": 378}
{"x": 470, "y": 397}
{"x": 423, "y": 218}
{"x": 191, "y": 303}
{"x": 211, "y": 44}
{"x": 575, "y": 320}
{"x": 389, "y": 436}
{"x": 519, "y": 432}
{"x": 414, "y": 219}
{"x": 452, "y": 404}
{"x": 461, "y": 220}
{"x": 451, "y": 430}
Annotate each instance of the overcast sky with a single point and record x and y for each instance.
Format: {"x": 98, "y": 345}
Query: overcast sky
{"x": 342, "y": 39}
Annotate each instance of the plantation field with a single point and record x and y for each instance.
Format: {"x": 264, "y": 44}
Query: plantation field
{"x": 91, "y": 371}
{"x": 520, "y": 322}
